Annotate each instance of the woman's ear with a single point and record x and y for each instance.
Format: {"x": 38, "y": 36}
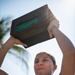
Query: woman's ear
{"x": 55, "y": 67}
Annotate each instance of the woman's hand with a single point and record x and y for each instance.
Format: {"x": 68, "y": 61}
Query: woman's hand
{"x": 16, "y": 41}
{"x": 53, "y": 24}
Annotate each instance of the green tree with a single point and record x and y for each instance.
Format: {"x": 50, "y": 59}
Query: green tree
{"x": 19, "y": 52}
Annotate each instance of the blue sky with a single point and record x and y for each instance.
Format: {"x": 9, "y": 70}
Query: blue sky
{"x": 63, "y": 10}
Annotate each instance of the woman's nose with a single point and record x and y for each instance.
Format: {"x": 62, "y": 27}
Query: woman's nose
{"x": 40, "y": 63}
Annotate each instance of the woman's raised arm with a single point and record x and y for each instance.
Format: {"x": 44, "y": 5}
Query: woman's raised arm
{"x": 66, "y": 47}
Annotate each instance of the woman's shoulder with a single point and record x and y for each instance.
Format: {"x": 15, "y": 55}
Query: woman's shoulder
{"x": 3, "y": 72}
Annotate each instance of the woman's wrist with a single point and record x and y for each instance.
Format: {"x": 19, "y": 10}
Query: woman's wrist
{"x": 8, "y": 44}
{"x": 53, "y": 27}
{"x": 11, "y": 40}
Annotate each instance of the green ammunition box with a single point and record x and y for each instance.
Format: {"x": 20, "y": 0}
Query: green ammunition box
{"x": 31, "y": 28}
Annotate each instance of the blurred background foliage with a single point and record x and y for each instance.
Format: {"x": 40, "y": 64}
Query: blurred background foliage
{"x": 17, "y": 51}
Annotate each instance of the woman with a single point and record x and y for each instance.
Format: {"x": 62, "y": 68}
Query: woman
{"x": 44, "y": 64}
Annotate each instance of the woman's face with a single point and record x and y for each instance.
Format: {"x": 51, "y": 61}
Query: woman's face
{"x": 43, "y": 65}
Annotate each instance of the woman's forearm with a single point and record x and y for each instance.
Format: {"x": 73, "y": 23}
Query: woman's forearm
{"x": 64, "y": 43}
{"x": 68, "y": 51}
{"x": 5, "y": 48}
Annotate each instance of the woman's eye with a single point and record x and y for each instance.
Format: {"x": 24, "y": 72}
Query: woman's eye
{"x": 36, "y": 61}
{"x": 45, "y": 60}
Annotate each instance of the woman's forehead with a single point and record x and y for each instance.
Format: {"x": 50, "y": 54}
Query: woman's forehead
{"x": 42, "y": 55}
